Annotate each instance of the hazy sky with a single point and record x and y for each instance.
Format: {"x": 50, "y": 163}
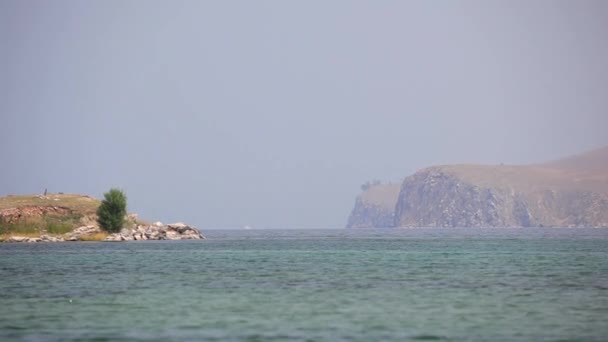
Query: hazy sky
{"x": 272, "y": 113}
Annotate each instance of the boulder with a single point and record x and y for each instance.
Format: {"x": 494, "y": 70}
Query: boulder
{"x": 172, "y": 235}
{"x": 81, "y": 231}
{"x": 113, "y": 237}
{"x": 50, "y": 238}
{"x": 153, "y": 233}
{"x": 17, "y": 239}
{"x": 192, "y": 235}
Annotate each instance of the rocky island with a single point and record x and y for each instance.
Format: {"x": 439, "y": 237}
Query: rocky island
{"x": 70, "y": 217}
{"x": 571, "y": 192}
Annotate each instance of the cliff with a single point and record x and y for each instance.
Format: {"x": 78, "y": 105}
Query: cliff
{"x": 375, "y": 207}
{"x": 571, "y": 192}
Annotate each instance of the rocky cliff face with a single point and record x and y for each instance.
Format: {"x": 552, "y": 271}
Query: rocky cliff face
{"x": 565, "y": 193}
{"x": 375, "y": 207}
{"x": 370, "y": 215}
{"x": 572, "y": 192}
{"x": 438, "y": 197}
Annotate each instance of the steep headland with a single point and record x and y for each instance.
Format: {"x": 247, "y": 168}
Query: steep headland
{"x": 571, "y": 192}
{"x": 375, "y": 207}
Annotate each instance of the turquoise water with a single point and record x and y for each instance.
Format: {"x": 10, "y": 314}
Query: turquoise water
{"x": 312, "y": 285}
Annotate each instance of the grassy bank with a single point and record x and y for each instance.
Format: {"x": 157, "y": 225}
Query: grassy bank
{"x": 54, "y": 214}
{"x": 49, "y": 224}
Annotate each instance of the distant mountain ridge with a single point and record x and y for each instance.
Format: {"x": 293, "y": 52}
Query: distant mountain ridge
{"x": 570, "y": 192}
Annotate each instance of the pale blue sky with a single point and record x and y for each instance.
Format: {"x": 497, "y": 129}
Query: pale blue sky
{"x": 272, "y": 113}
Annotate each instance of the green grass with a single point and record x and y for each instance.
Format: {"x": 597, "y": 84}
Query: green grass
{"x": 59, "y": 228}
{"x": 23, "y": 228}
{"x": 50, "y": 226}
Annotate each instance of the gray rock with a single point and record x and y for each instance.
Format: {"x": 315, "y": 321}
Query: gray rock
{"x": 50, "y": 238}
{"x": 172, "y": 235}
{"x": 113, "y": 237}
{"x": 174, "y": 231}
{"x": 81, "y": 231}
{"x": 17, "y": 239}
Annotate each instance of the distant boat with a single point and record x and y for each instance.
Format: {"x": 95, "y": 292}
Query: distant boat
{"x": 247, "y": 227}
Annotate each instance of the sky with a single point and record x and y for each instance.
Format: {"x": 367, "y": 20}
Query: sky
{"x": 271, "y": 114}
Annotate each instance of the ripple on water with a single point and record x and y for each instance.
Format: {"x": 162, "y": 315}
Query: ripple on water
{"x": 312, "y": 285}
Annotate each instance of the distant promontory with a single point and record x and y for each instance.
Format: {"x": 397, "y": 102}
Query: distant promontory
{"x": 58, "y": 217}
{"x": 571, "y": 192}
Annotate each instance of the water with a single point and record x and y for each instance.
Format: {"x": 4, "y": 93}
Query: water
{"x": 331, "y": 285}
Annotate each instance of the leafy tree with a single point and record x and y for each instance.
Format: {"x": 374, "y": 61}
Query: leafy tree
{"x": 111, "y": 213}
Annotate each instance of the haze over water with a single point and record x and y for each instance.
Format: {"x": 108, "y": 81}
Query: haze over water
{"x": 223, "y": 114}
{"x": 303, "y": 285}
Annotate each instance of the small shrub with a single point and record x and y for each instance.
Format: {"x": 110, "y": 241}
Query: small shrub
{"x": 111, "y": 213}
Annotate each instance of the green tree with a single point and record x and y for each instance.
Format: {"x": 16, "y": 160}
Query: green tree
{"x": 111, "y": 213}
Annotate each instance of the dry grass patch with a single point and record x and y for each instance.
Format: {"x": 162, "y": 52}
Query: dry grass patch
{"x": 4, "y": 237}
{"x": 78, "y": 203}
{"x": 94, "y": 237}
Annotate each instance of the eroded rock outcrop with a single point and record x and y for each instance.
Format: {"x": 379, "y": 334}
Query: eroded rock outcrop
{"x": 571, "y": 192}
{"x": 14, "y": 215}
{"x": 502, "y": 196}
{"x": 375, "y": 207}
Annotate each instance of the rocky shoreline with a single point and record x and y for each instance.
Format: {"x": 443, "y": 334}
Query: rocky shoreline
{"x": 174, "y": 231}
{"x": 157, "y": 231}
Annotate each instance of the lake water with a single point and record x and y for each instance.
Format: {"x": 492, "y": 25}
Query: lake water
{"x": 312, "y": 285}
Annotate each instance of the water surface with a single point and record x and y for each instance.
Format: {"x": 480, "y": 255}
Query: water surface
{"x": 260, "y": 285}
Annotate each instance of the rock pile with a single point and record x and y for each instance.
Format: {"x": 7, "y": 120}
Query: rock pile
{"x": 42, "y": 238}
{"x": 157, "y": 231}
